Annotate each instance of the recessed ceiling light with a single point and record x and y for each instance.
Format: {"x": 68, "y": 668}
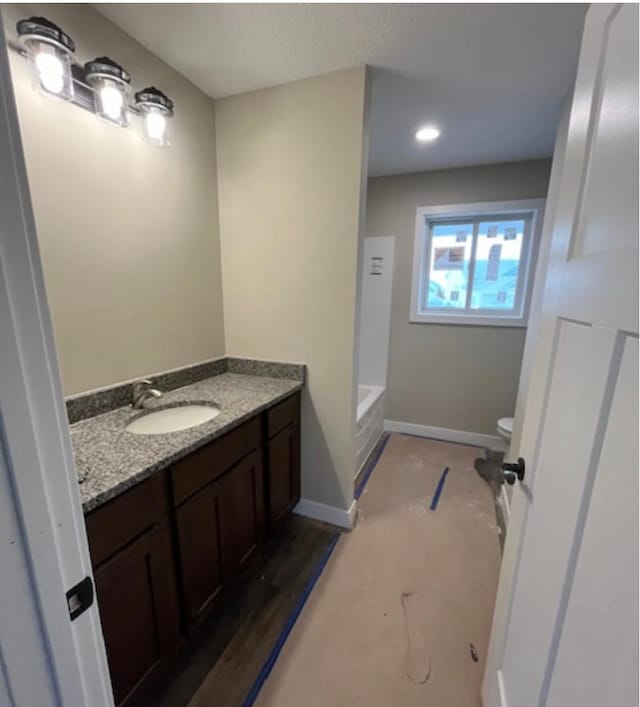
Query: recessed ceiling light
{"x": 427, "y": 134}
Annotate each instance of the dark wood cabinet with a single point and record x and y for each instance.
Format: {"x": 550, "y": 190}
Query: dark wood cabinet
{"x": 197, "y": 524}
{"x": 241, "y": 513}
{"x": 138, "y": 609}
{"x": 283, "y": 457}
{"x": 218, "y": 529}
{"x": 164, "y": 550}
{"x": 214, "y": 459}
{"x": 284, "y": 472}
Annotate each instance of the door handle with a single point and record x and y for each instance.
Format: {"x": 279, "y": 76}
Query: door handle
{"x": 513, "y": 470}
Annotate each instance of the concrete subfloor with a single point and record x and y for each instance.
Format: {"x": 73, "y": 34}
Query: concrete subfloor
{"x": 401, "y": 614}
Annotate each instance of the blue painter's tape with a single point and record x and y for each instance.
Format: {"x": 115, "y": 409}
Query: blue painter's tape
{"x": 439, "y": 487}
{"x": 267, "y": 667}
{"x": 284, "y": 634}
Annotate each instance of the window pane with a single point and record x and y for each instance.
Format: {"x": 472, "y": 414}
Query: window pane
{"x": 448, "y": 265}
{"x": 498, "y": 254}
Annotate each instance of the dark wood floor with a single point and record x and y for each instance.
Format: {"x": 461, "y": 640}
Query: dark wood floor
{"x": 221, "y": 664}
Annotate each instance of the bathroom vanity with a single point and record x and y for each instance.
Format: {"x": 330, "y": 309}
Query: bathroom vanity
{"x": 165, "y": 549}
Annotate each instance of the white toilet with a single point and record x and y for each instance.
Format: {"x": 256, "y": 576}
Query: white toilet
{"x": 505, "y": 428}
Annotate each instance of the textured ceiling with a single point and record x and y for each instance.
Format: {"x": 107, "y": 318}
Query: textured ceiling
{"x": 492, "y": 77}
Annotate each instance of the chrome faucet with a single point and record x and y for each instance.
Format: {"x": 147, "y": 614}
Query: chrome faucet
{"x": 141, "y": 391}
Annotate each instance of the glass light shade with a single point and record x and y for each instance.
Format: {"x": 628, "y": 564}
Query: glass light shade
{"x": 154, "y": 127}
{"x": 50, "y": 53}
{"x": 110, "y": 100}
{"x": 155, "y": 110}
{"x": 111, "y": 85}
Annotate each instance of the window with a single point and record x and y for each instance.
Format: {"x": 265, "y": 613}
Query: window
{"x": 472, "y": 263}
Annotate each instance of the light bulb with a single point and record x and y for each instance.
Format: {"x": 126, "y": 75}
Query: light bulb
{"x": 112, "y": 101}
{"x": 50, "y": 72}
{"x": 427, "y": 134}
{"x": 156, "y": 124}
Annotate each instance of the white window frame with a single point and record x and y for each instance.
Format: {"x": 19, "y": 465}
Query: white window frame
{"x": 426, "y": 214}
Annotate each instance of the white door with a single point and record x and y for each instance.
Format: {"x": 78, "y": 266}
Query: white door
{"x": 45, "y": 658}
{"x": 566, "y": 619}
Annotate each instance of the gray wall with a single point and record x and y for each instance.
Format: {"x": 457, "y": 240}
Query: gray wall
{"x": 453, "y": 376}
{"x": 290, "y": 179}
{"x": 128, "y": 232}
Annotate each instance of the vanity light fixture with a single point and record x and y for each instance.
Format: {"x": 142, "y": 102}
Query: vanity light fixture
{"x": 50, "y": 52}
{"x": 102, "y": 86}
{"x": 111, "y": 85}
{"x": 155, "y": 109}
{"x": 428, "y": 134}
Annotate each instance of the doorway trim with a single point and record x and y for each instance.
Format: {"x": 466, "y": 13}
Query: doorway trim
{"x": 37, "y": 447}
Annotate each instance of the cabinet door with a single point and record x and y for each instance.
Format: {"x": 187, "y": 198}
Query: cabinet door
{"x": 284, "y": 471}
{"x": 138, "y": 609}
{"x": 241, "y": 504}
{"x": 200, "y": 556}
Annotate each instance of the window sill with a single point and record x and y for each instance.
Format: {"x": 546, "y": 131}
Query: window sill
{"x": 469, "y": 320}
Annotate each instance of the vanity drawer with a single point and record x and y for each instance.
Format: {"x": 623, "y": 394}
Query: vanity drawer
{"x": 117, "y": 522}
{"x": 285, "y": 413}
{"x": 198, "y": 469}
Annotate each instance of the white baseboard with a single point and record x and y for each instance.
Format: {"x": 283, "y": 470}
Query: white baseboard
{"x": 327, "y": 514}
{"x": 506, "y": 505}
{"x": 493, "y": 442}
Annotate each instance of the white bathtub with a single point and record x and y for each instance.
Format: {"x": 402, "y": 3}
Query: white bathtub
{"x": 369, "y": 421}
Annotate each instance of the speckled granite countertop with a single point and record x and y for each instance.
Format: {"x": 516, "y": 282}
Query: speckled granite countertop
{"x": 111, "y": 460}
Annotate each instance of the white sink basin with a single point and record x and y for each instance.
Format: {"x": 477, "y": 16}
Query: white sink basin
{"x": 172, "y": 419}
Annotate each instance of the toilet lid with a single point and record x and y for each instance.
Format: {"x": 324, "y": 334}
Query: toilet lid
{"x": 506, "y": 424}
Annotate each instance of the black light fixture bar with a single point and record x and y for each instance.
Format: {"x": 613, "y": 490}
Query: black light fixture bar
{"x": 83, "y": 93}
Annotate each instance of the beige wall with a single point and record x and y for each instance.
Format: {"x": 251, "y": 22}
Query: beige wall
{"x": 128, "y": 232}
{"x": 289, "y": 177}
{"x": 458, "y": 377}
